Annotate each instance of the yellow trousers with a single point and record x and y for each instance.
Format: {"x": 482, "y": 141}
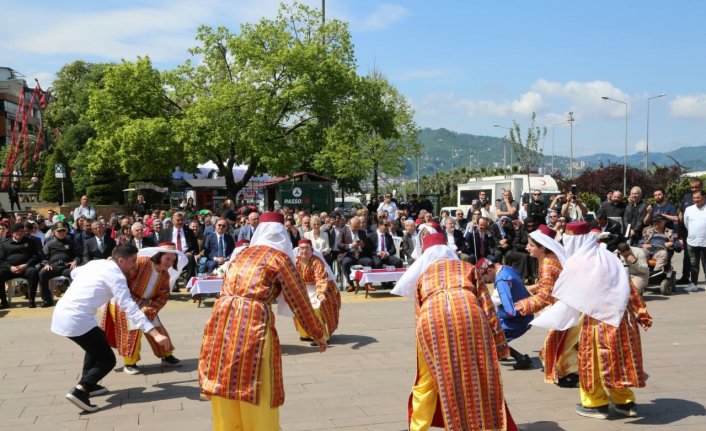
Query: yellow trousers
{"x": 236, "y": 415}
{"x": 131, "y": 360}
{"x": 424, "y": 396}
{"x": 302, "y": 332}
{"x": 567, "y": 361}
{"x": 600, "y": 394}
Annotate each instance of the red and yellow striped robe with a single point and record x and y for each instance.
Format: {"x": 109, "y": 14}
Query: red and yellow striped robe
{"x": 558, "y": 343}
{"x": 315, "y": 273}
{"x": 233, "y": 340}
{"x": 138, "y": 282}
{"x": 461, "y": 339}
{"x": 619, "y": 349}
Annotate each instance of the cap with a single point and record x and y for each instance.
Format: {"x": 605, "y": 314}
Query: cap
{"x": 546, "y": 230}
{"x": 60, "y": 225}
{"x": 578, "y": 228}
{"x": 484, "y": 262}
{"x": 305, "y": 241}
{"x": 433, "y": 239}
{"x": 167, "y": 245}
{"x": 272, "y": 217}
{"x": 242, "y": 242}
{"x": 658, "y": 217}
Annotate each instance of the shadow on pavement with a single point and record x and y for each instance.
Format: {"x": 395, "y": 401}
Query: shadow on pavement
{"x": 139, "y": 395}
{"x": 667, "y": 411}
{"x": 291, "y": 350}
{"x": 650, "y": 298}
{"x": 358, "y": 341}
{"x": 541, "y": 426}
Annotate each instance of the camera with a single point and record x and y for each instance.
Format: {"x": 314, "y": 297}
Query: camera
{"x": 574, "y": 192}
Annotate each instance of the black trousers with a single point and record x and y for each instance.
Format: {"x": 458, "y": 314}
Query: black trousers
{"x": 30, "y": 274}
{"x": 45, "y": 276}
{"x": 99, "y": 359}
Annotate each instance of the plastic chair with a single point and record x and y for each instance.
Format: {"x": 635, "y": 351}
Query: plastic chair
{"x": 398, "y": 241}
{"x": 11, "y": 286}
{"x": 58, "y": 285}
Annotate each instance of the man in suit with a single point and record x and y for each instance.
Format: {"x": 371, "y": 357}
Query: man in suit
{"x": 156, "y": 235}
{"x": 480, "y": 242}
{"x": 185, "y": 242}
{"x": 218, "y": 246}
{"x": 409, "y": 239}
{"x": 247, "y": 231}
{"x": 605, "y": 224}
{"x": 138, "y": 239}
{"x": 330, "y": 229}
{"x": 381, "y": 247}
{"x": 351, "y": 249}
{"x": 455, "y": 240}
{"x": 99, "y": 246}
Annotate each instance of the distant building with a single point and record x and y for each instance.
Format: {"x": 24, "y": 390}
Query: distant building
{"x": 11, "y": 82}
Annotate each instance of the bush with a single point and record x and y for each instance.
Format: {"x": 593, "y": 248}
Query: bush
{"x": 104, "y": 194}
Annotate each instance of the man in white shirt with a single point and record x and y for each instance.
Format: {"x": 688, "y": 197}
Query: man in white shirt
{"x": 695, "y": 222}
{"x": 388, "y": 206}
{"x": 93, "y": 286}
{"x": 84, "y": 210}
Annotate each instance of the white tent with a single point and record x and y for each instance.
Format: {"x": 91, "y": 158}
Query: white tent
{"x": 209, "y": 170}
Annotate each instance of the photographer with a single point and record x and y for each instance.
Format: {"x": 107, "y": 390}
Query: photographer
{"x": 635, "y": 261}
{"x": 573, "y": 209}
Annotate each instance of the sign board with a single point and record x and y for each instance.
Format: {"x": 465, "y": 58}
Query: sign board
{"x": 59, "y": 170}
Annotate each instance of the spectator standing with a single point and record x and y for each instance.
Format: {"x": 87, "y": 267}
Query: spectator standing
{"x": 388, "y": 206}
{"x": 574, "y": 209}
{"x": 141, "y": 207}
{"x": 84, "y": 209}
{"x": 425, "y": 204}
{"x": 634, "y": 217}
{"x": 686, "y": 201}
{"x": 614, "y": 207}
{"x": 695, "y": 222}
{"x": 509, "y": 207}
{"x": 537, "y": 208}
{"x": 13, "y": 193}
{"x": 661, "y": 206}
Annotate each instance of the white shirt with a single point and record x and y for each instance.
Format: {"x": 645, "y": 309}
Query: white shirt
{"x": 450, "y": 240}
{"x": 174, "y": 237}
{"x": 94, "y": 284}
{"x": 391, "y": 209}
{"x": 695, "y": 222}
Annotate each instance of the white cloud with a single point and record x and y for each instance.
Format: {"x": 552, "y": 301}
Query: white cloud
{"x": 641, "y": 145}
{"x": 585, "y": 97}
{"x": 689, "y": 106}
{"x": 528, "y": 103}
{"x": 384, "y": 17}
{"x": 45, "y": 79}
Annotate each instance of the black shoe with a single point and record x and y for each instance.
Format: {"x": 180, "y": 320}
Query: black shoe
{"x": 629, "y": 409}
{"x": 47, "y": 304}
{"x": 81, "y": 400}
{"x": 95, "y": 390}
{"x": 4, "y": 304}
{"x": 306, "y": 339}
{"x": 523, "y": 363}
{"x": 601, "y": 412}
{"x": 32, "y": 304}
{"x": 683, "y": 280}
{"x": 569, "y": 381}
{"x": 171, "y": 361}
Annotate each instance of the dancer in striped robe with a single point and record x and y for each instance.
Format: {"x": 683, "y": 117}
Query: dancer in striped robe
{"x": 459, "y": 340}
{"x": 240, "y": 365}
{"x": 560, "y": 351}
{"x": 321, "y": 286}
{"x": 149, "y": 285}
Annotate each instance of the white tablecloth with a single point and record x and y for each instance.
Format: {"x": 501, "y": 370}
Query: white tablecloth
{"x": 377, "y": 277}
{"x": 205, "y": 286}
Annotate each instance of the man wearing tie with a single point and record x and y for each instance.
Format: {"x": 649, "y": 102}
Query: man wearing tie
{"x": 381, "y": 247}
{"x": 138, "y": 239}
{"x": 99, "y": 246}
{"x": 185, "y": 242}
{"x": 218, "y": 246}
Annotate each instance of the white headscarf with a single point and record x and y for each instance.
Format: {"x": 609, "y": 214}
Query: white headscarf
{"x": 182, "y": 260}
{"x": 549, "y": 243}
{"x": 407, "y": 285}
{"x": 592, "y": 282}
{"x": 320, "y": 255}
{"x": 418, "y": 243}
{"x": 274, "y": 235}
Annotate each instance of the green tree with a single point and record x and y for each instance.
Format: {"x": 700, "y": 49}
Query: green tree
{"x": 51, "y": 186}
{"x": 263, "y": 97}
{"x": 528, "y": 153}
{"x": 375, "y": 134}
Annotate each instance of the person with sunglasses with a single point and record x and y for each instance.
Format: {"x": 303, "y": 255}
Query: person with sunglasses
{"x": 537, "y": 208}
{"x": 218, "y": 246}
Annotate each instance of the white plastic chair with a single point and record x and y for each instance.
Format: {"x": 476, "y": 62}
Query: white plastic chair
{"x": 11, "y": 286}
{"x": 398, "y": 242}
{"x": 58, "y": 285}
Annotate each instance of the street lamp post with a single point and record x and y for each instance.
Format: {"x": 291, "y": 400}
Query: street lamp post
{"x": 553, "y": 131}
{"x": 504, "y": 147}
{"x": 647, "y": 138}
{"x": 625, "y": 158}
{"x": 571, "y": 144}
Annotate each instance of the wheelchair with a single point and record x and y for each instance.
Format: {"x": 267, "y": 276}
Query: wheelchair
{"x": 664, "y": 281}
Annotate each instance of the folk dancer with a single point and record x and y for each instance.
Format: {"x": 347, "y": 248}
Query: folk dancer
{"x": 321, "y": 286}
{"x": 595, "y": 283}
{"x": 240, "y": 365}
{"x": 459, "y": 340}
{"x": 94, "y": 284}
{"x": 560, "y": 351}
{"x": 149, "y": 285}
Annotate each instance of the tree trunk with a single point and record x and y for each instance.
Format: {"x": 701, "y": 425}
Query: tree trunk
{"x": 375, "y": 179}
{"x": 232, "y": 186}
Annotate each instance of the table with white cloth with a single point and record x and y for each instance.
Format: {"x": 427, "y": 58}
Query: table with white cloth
{"x": 202, "y": 287}
{"x": 367, "y": 278}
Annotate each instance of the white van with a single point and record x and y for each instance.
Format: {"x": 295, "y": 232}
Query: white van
{"x": 494, "y": 187}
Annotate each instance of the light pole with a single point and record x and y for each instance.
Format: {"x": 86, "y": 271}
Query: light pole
{"x": 571, "y": 144}
{"x": 625, "y": 159}
{"x": 647, "y": 139}
{"x": 504, "y": 148}
{"x": 553, "y": 130}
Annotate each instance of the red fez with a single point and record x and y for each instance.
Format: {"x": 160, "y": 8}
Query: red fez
{"x": 272, "y": 217}
{"x": 305, "y": 241}
{"x": 242, "y": 242}
{"x": 167, "y": 245}
{"x": 435, "y": 225}
{"x": 551, "y": 233}
{"x": 433, "y": 239}
{"x": 578, "y": 228}
{"x": 596, "y": 230}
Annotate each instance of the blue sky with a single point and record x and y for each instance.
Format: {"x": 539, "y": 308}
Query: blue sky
{"x": 464, "y": 65}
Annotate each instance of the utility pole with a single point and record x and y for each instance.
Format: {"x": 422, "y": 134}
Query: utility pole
{"x": 571, "y": 144}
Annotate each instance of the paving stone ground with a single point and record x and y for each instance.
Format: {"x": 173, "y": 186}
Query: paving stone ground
{"x": 361, "y": 383}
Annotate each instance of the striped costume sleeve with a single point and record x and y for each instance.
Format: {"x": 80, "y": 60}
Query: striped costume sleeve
{"x": 297, "y": 298}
